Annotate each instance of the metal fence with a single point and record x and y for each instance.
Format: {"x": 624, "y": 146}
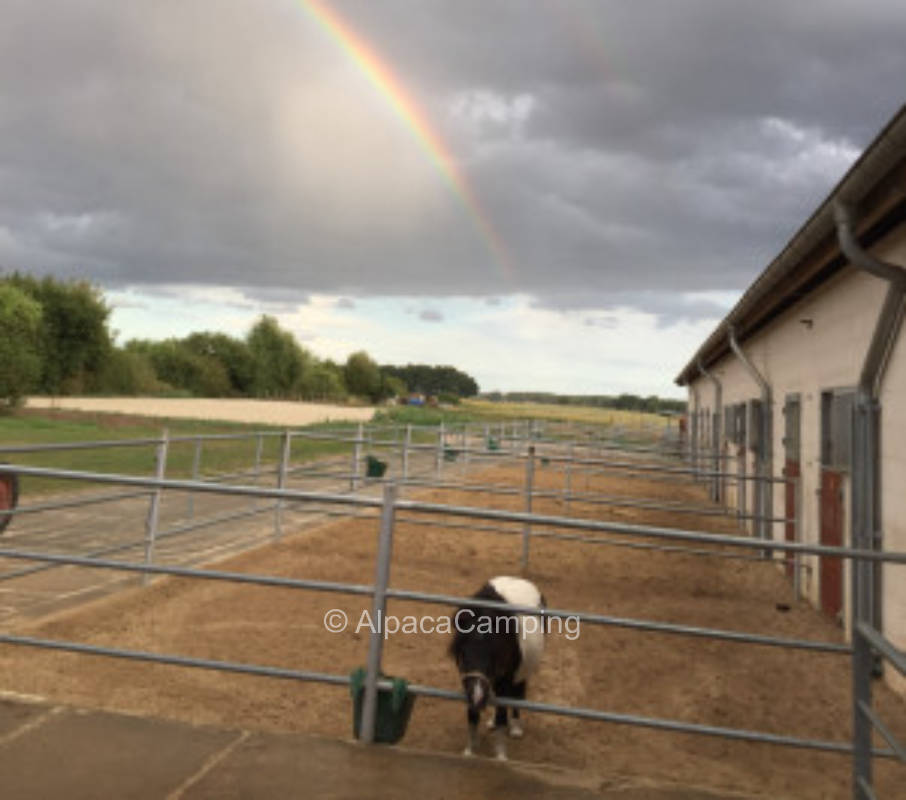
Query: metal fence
{"x": 588, "y": 453}
{"x": 865, "y": 639}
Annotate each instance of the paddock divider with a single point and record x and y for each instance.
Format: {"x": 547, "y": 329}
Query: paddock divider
{"x": 527, "y": 527}
{"x": 153, "y": 518}
{"x": 378, "y": 611}
{"x": 437, "y": 693}
{"x": 196, "y": 467}
{"x": 285, "y": 445}
{"x": 868, "y": 644}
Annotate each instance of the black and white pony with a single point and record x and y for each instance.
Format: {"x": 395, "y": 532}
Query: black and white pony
{"x": 496, "y": 651}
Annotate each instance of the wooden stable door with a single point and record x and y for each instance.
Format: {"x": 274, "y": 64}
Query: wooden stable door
{"x": 831, "y": 569}
{"x": 790, "y": 470}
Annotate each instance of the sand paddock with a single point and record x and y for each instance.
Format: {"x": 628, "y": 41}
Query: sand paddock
{"x": 265, "y": 412}
{"x": 755, "y": 687}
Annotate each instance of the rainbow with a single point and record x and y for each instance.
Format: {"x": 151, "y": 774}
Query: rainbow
{"x": 392, "y": 90}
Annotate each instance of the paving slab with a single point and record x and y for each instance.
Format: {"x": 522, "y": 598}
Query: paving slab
{"x": 16, "y": 716}
{"x": 49, "y": 752}
{"x": 293, "y": 766}
{"x": 85, "y": 755}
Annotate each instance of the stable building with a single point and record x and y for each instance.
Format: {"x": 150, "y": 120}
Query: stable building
{"x": 803, "y": 386}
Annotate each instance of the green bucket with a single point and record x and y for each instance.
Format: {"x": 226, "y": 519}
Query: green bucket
{"x": 450, "y": 454}
{"x": 394, "y": 707}
{"x": 493, "y": 444}
{"x": 375, "y": 467}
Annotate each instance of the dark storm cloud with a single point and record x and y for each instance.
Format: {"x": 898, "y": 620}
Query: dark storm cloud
{"x": 623, "y": 152}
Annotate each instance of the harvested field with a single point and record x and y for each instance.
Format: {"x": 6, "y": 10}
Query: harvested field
{"x": 658, "y": 675}
{"x": 265, "y": 412}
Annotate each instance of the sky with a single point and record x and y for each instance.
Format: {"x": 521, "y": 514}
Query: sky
{"x": 551, "y": 195}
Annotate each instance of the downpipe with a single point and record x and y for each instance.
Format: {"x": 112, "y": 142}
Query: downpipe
{"x": 865, "y": 577}
{"x": 866, "y": 506}
{"x": 766, "y": 446}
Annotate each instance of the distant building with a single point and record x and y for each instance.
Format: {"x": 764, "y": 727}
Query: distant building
{"x": 820, "y": 329}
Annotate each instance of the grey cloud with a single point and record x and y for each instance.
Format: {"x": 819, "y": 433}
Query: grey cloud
{"x": 669, "y": 308}
{"x": 431, "y": 315}
{"x": 660, "y": 147}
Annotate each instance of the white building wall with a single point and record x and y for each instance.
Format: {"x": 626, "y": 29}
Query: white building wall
{"x": 893, "y": 487}
{"x": 816, "y": 345}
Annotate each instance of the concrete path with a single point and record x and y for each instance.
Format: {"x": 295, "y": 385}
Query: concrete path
{"x": 49, "y": 752}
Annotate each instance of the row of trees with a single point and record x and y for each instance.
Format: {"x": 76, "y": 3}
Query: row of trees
{"x": 55, "y": 339}
{"x": 628, "y": 402}
{"x": 439, "y": 381}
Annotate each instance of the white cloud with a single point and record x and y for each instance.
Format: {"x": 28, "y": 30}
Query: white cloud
{"x": 509, "y": 346}
{"x": 484, "y": 113}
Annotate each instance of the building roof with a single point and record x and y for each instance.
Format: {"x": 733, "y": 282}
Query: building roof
{"x": 877, "y": 183}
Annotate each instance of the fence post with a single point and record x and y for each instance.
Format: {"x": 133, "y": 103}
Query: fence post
{"x": 861, "y": 592}
{"x": 407, "y": 440}
{"x": 797, "y": 536}
{"x": 568, "y": 489}
{"x": 196, "y": 466}
{"x": 153, "y": 518}
{"x": 286, "y": 440}
{"x": 378, "y": 610}
{"x": 259, "y": 446}
{"x": 465, "y": 447}
{"x": 529, "y": 480}
{"x": 356, "y": 459}
{"x": 439, "y": 464}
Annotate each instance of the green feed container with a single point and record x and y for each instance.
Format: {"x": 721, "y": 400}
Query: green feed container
{"x": 375, "y": 467}
{"x": 493, "y": 444}
{"x": 450, "y": 454}
{"x": 394, "y": 707}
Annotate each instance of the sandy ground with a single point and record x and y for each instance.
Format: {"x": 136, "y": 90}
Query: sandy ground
{"x": 703, "y": 681}
{"x": 267, "y": 412}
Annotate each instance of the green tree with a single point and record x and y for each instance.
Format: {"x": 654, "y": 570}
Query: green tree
{"x": 233, "y": 354}
{"x": 177, "y": 365}
{"x": 435, "y": 380}
{"x": 20, "y": 327}
{"x": 324, "y": 381}
{"x": 279, "y": 362}
{"x": 129, "y": 372}
{"x": 391, "y": 386}
{"x": 74, "y": 337}
{"x": 363, "y": 376}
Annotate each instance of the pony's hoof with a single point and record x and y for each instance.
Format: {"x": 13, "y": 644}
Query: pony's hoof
{"x": 467, "y": 753}
{"x": 501, "y": 757}
{"x": 490, "y": 723}
{"x": 516, "y": 731}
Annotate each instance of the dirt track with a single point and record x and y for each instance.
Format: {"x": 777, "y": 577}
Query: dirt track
{"x": 761, "y": 688}
{"x": 266, "y": 412}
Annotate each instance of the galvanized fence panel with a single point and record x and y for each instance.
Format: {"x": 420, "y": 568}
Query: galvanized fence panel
{"x": 865, "y": 639}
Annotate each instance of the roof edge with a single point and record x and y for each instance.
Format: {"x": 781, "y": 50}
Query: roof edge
{"x": 876, "y": 161}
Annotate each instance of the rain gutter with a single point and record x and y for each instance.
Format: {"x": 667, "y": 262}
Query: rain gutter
{"x": 875, "y": 163}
